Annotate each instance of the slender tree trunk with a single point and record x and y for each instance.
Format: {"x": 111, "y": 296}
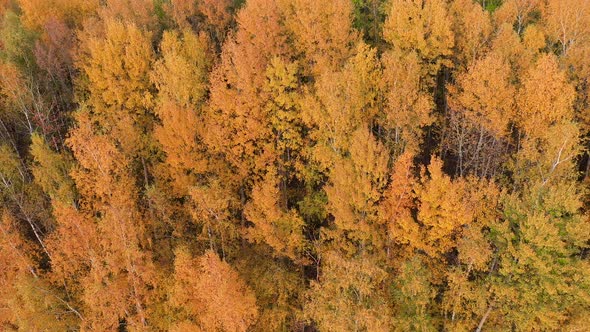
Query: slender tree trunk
{"x": 483, "y": 319}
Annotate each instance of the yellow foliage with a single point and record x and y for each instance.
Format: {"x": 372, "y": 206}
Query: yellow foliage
{"x": 52, "y": 171}
{"x": 118, "y": 65}
{"x": 486, "y": 96}
{"x": 441, "y": 210}
{"x": 421, "y": 26}
{"x": 343, "y": 102}
{"x": 211, "y": 208}
{"x": 473, "y": 30}
{"x": 545, "y": 97}
{"x": 356, "y": 184}
{"x": 36, "y": 13}
{"x": 408, "y": 106}
{"x": 568, "y": 22}
{"x": 181, "y": 79}
{"x": 350, "y": 295}
{"x": 399, "y": 200}
{"x": 237, "y": 106}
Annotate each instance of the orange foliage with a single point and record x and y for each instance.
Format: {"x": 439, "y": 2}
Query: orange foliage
{"x": 212, "y": 294}
{"x": 181, "y": 79}
{"x": 262, "y": 165}
{"x": 543, "y": 101}
{"x": 237, "y": 100}
{"x": 485, "y": 95}
{"x": 280, "y": 228}
{"x": 37, "y": 13}
{"x": 399, "y": 200}
{"x": 324, "y": 31}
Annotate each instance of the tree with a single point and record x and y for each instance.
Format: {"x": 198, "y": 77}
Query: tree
{"x": 218, "y": 17}
{"x": 350, "y": 295}
{"x": 182, "y": 12}
{"x": 395, "y": 210}
{"x": 324, "y": 32}
{"x": 342, "y": 102}
{"x": 481, "y": 109}
{"x": 120, "y": 269}
{"x": 237, "y": 104}
{"x": 517, "y": 13}
{"x": 181, "y": 79}
{"x": 37, "y": 13}
{"x": 120, "y": 93}
{"x": 141, "y": 13}
{"x": 53, "y": 55}
{"x": 274, "y": 223}
{"x": 413, "y": 296}
{"x": 472, "y": 26}
{"x": 545, "y": 118}
{"x": 212, "y": 294}
{"x": 368, "y": 18}
{"x": 278, "y": 285}
{"x": 408, "y": 106}
{"x": 28, "y": 300}
{"x": 540, "y": 270}
{"x": 212, "y": 207}
{"x": 285, "y": 119}
{"x": 567, "y": 26}
{"x": 354, "y": 190}
{"x": 22, "y": 197}
{"x": 51, "y": 171}
{"x": 441, "y": 210}
{"x": 421, "y": 27}
{"x": 567, "y": 23}
{"x": 542, "y": 230}
{"x": 468, "y": 300}
{"x": 543, "y": 104}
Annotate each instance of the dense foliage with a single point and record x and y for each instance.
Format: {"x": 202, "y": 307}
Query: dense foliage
{"x": 294, "y": 165}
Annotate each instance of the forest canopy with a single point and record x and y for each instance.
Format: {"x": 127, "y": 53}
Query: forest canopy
{"x": 294, "y": 165}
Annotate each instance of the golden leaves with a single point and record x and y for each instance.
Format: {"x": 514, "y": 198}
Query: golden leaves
{"x": 118, "y": 68}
